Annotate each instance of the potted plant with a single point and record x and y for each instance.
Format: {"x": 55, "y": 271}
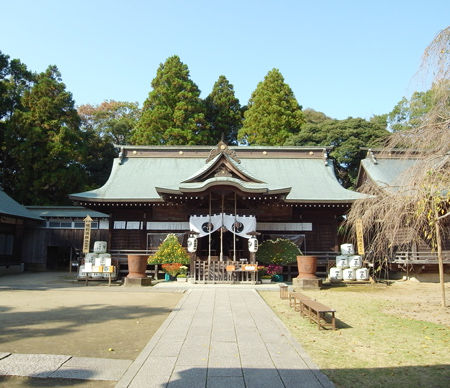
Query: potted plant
{"x": 182, "y": 275}
{"x": 278, "y": 252}
{"x": 263, "y": 275}
{"x": 171, "y": 269}
{"x": 170, "y": 251}
{"x": 275, "y": 272}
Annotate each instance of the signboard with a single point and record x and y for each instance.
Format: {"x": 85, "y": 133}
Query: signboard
{"x": 359, "y": 237}
{"x": 87, "y": 234}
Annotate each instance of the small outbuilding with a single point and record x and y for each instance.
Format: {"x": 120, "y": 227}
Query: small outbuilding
{"x": 15, "y": 219}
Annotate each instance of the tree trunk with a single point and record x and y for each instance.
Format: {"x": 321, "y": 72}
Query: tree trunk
{"x": 440, "y": 261}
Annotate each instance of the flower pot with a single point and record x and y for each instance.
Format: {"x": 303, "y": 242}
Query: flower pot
{"x": 307, "y": 267}
{"x": 266, "y": 281}
{"x": 137, "y": 264}
{"x": 277, "y": 278}
{"x": 181, "y": 280}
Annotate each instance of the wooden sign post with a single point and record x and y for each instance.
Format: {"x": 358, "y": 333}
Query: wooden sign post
{"x": 87, "y": 234}
{"x": 360, "y": 237}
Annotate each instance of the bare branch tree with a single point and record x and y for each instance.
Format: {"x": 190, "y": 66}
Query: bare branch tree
{"x": 415, "y": 208}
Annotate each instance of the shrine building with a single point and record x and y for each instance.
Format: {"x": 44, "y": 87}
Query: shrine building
{"x": 223, "y": 195}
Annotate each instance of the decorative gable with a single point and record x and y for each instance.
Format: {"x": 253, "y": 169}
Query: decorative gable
{"x": 222, "y": 162}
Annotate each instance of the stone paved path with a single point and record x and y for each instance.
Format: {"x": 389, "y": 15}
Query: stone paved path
{"x": 223, "y": 337}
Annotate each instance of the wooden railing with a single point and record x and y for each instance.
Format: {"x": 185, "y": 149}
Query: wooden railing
{"x": 225, "y": 272}
{"x": 422, "y": 257}
{"x": 324, "y": 261}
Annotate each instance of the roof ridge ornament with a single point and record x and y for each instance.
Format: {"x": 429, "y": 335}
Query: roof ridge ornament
{"x": 371, "y": 155}
{"x": 222, "y": 148}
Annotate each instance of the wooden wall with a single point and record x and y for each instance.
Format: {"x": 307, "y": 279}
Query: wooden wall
{"x": 322, "y": 238}
{"x": 38, "y": 241}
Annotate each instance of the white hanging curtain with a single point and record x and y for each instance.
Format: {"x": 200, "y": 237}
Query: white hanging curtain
{"x": 239, "y": 225}
{"x": 200, "y": 224}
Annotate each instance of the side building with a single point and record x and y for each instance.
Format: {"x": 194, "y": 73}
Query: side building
{"x": 387, "y": 171}
{"x": 56, "y": 243}
{"x": 15, "y": 219}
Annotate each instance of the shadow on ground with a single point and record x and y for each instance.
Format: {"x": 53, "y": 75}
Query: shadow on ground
{"x": 64, "y": 320}
{"x": 22, "y": 382}
{"x": 436, "y": 376}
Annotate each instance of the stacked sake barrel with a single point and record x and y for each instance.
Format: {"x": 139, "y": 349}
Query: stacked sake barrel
{"x": 348, "y": 266}
{"x": 97, "y": 264}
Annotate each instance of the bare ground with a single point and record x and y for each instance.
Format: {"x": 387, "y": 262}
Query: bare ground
{"x": 59, "y": 316}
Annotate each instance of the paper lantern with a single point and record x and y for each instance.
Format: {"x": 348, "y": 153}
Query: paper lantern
{"x": 253, "y": 244}
{"x": 192, "y": 244}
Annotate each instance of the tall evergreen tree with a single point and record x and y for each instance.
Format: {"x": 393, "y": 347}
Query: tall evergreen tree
{"x": 173, "y": 112}
{"x": 273, "y": 112}
{"x": 223, "y": 112}
{"x": 347, "y": 137}
{"x": 15, "y": 78}
{"x": 44, "y": 144}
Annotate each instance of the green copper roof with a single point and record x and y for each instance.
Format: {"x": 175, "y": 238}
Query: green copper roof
{"x": 12, "y": 208}
{"x": 65, "y": 212}
{"x": 310, "y": 179}
{"x": 387, "y": 172}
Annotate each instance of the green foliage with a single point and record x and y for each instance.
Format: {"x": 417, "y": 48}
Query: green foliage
{"x": 44, "y": 143}
{"x": 109, "y": 123}
{"x": 411, "y": 113}
{"x": 14, "y": 80}
{"x": 312, "y": 116}
{"x": 223, "y": 112}
{"x": 111, "y": 120}
{"x": 279, "y": 251}
{"x": 170, "y": 251}
{"x": 347, "y": 137}
{"x": 173, "y": 113}
{"x": 273, "y": 113}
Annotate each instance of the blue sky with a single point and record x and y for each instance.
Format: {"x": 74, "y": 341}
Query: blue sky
{"x": 344, "y": 58}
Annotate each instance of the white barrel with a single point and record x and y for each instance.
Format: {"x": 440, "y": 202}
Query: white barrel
{"x": 355, "y": 261}
{"x": 335, "y": 274}
{"x": 362, "y": 274}
{"x": 104, "y": 255}
{"x": 90, "y": 257}
{"x": 100, "y": 247}
{"x": 342, "y": 261}
{"x": 349, "y": 274}
{"x": 81, "y": 273}
{"x": 347, "y": 249}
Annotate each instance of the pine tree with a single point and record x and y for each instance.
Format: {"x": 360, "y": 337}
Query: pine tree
{"x": 173, "y": 112}
{"x": 223, "y": 112}
{"x": 45, "y": 144}
{"x": 273, "y": 112}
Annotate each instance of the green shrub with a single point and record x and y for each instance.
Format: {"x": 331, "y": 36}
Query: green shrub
{"x": 170, "y": 251}
{"x": 279, "y": 251}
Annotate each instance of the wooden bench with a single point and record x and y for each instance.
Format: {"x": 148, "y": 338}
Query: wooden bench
{"x": 315, "y": 311}
{"x": 296, "y": 300}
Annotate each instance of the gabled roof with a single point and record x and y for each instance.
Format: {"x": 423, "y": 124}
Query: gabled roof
{"x": 385, "y": 170}
{"x": 10, "y": 207}
{"x": 64, "y": 212}
{"x": 304, "y": 174}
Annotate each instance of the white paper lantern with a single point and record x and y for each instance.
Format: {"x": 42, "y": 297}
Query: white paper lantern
{"x": 253, "y": 244}
{"x": 192, "y": 244}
